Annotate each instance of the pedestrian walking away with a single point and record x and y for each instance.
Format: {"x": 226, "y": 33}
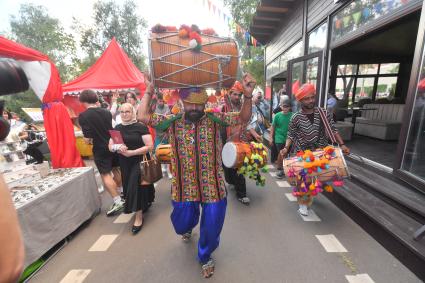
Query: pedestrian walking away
{"x": 96, "y": 123}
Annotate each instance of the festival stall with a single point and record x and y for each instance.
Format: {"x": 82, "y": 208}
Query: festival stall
{"x": 112, "y": 71}
{"x": 44, "y": 79}
{"x": 50, "y": 203}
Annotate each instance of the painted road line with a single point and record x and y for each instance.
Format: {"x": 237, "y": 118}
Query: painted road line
{"x": 359, "y": 278}
{"x": 273, "y": 174}
{"x": 311, "y": 217}
{"x": 103, "y": 243}
{"x": 76, "y": 276}
{"x": 123, "y": 218}
{"x": 283, "y": 184}
{"x": 331, "y": 244}
{"x": 290, "y": 197}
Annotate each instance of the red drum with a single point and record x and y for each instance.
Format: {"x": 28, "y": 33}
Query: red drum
{"x": 337, "y": 167}
{"x": 163, "y": 153}
{"x": 234, "y": 154}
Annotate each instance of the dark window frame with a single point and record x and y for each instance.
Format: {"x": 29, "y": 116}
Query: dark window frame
{"x": 375, "y": 76}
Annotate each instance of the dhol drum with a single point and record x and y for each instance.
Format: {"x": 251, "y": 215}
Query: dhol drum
{"x": 336, "y": 167}
{"x": 234, "y": 153}
{"x": 163, "y": 153}
{"x": 175, "y": 65}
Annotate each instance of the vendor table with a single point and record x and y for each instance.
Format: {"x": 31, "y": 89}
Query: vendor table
{"x": 52, "y": 215}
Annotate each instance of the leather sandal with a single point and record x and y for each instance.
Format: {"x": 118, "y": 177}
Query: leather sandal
{"x": 186, "y": 236}
{"x": 208, "y": 268}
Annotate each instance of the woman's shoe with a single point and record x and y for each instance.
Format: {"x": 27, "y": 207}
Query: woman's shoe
{"x": 136, "y": 229}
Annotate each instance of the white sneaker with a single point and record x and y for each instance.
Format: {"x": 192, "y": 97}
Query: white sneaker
{"x": 303, "y": 210}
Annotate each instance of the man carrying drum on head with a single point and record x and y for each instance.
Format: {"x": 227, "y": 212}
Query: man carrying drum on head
{"x": 307, "y": 132}
{"x": 233, "y": 103}
{"x": 196, "y": 164}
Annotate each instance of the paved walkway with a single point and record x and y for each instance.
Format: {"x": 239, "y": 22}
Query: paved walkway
{"x": 267, "y": 241}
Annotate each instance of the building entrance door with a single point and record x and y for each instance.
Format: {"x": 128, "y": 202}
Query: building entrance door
{"x": 301, "y": 70}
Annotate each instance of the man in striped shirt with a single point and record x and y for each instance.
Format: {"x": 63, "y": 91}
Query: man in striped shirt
{"x": 306, "y": 129}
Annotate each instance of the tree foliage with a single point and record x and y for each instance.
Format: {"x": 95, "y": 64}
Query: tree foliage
{"x": 252, "y": 58}
{"x": 33, "y": 27}
{"x": 111, "y": 20}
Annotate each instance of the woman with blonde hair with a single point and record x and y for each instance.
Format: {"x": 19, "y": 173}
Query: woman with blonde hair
{"x": 137, "y": 142}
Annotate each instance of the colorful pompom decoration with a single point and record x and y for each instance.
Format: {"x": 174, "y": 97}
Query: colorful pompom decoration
{"x": 254, "y": 163}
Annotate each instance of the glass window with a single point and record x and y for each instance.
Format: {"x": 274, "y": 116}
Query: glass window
{"x": 293, "y": 52}
{"x": 344, "y": 89}
{"x": 346, "y": 70}
{"x": 360, "y": 13}
{"x": 389, "y": 68}
{"x": 317, "y": 38}
{"x": 368, "y": 69}
{"x": 414, "y": 154}
{"x": 364, "y": 88}
{"x": 386, "y": 88}
{"x": 312, "y": 68}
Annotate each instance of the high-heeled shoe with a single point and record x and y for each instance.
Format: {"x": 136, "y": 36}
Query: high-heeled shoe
{"x": 136, "y": 229}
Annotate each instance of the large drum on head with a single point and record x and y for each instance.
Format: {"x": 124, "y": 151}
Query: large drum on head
{"x": 234, "y": 153}
{"x": 175, "y": 65}
{"x": 337, "y": 167}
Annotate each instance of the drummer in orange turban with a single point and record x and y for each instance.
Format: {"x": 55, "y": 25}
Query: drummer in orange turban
{"x": 304, "y": 91}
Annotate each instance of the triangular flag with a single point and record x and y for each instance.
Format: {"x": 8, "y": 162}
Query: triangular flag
{"x": 214, "y": 7}
{"x": 209, "y": 5}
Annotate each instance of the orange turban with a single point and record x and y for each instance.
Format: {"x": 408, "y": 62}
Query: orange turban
{"x": 237, "y": 87}
{"x": 305, "y": 90}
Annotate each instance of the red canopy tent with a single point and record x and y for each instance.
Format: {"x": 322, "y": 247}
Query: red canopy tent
{"x": 112, "y": 71}
{"x": 44, "y": 79}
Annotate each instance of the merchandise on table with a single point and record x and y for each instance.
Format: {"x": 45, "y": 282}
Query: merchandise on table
{"x": 27, "y": 184}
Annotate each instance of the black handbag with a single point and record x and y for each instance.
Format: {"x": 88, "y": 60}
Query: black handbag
{"x": 150, "y": 169}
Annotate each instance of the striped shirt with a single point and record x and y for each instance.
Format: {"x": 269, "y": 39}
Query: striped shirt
{"x": 306, "y": 135}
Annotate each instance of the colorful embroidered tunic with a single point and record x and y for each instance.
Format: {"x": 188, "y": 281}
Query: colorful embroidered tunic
{"x": 196, "y": 162}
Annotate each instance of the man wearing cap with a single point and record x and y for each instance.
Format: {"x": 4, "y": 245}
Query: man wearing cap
{"x": 306, "y": 130}
{"x": 279, "y": 130}
{"x": 233, "y": 103}
{"x": 196, "y": 164}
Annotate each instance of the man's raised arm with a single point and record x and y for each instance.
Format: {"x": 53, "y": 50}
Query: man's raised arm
{"x": 248, "y": 83}
{"x": 143, "y": 113}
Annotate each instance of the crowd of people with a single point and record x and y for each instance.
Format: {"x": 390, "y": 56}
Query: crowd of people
{"x": 196, "y": 136}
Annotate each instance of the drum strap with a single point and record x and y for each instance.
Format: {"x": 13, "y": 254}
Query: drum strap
{"x": 327, "y": 126}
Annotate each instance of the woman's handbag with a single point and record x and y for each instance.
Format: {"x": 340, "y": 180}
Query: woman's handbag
{"x": 150, "y": 169}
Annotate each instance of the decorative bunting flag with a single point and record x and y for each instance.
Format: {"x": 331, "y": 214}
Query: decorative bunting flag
{"x": 216, "y": 10}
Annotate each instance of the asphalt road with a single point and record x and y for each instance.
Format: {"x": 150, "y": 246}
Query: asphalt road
{"x": 267, "y": 241}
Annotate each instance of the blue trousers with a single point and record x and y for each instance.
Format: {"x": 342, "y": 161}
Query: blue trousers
{"x": 185, "y": 217}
